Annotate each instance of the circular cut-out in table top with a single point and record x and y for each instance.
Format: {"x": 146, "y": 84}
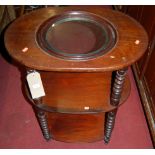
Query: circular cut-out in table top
{"x": 106, "y": 40}
{"x": 76, "y": 36}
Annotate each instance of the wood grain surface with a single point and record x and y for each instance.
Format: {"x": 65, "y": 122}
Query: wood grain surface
{"x": 21, "y": 34}
{"x": 80, "y": 92}
{"x": 76, "y": 127}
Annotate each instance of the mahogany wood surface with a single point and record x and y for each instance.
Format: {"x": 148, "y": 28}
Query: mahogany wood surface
{"x": 78, "y": 103}
{"x": 76, "y": 127}
{"x": 22, "y": 34}
{"x": 80, "y": 92}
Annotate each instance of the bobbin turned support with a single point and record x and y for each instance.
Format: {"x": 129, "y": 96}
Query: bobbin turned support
{"x": 41, "y": 115}
{"x": 115, "y": 97}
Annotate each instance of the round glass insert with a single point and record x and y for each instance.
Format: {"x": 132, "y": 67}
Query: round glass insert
{"x": 76, "y": 35}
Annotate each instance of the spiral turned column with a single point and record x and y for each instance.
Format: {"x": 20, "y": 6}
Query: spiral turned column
{"x": 41, "y": 115}
{"x": 43, "y": 121}
{"x": 117, "y": 87}
{"x": 115, "y": 97}
{"x": 43, "y": 124}
{"x": 110, "y": 121}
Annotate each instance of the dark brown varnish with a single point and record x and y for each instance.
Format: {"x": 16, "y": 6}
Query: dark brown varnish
{"x": 72, "y": 92}
{"x": 77, "y": 127}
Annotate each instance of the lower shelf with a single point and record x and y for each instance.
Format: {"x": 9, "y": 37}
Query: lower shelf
{"x": 76, "y": 127}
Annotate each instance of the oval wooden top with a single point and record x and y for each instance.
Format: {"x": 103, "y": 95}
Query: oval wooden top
{"x": 22, "y": 45}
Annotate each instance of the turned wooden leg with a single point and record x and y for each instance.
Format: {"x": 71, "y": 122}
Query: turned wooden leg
{"x": 110, "y": 121}
{"x": 114, "y": 100}
{"x": 43, "y": 122}
{"x": 41, "y": 115}
{"x": 117, "y": 87}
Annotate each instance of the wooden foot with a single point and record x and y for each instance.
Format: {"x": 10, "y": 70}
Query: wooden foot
{"x": 114, "y": 100}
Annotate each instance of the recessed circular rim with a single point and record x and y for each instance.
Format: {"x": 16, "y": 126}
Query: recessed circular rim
{"x": 108, "y": 30}
{"x": 22, "y": 33}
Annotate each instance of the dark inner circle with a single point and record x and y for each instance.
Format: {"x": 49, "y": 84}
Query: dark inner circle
{"x": 76, "y": 37}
